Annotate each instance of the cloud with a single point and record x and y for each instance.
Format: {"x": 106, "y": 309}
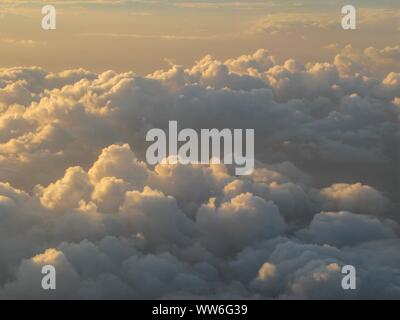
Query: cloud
{"x": 68, "y": 191}
{"x": 77, "y": 192}
{"x": 155, "y": 217}
{"x": 238, "y": 223}
{"x": 119, "y": 162}
{"x": 355, "y": 198}
{"x": 307, "y": 22}
{"x": 29, "y": 274}
{"x": 369, "y": 61}
{"x": 353, "y": 229}
{"x": 281, "y": 24}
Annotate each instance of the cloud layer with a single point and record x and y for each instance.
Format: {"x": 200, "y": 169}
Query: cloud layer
{"x": 77, "y": 193}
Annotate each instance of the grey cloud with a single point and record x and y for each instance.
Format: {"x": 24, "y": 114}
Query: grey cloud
{"x": 77, "y": 192}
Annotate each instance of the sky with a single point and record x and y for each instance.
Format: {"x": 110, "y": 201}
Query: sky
{"x": 146, "y": 35}
{"x": 77, "y": 193}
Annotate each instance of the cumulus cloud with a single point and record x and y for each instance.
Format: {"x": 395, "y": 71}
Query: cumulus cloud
{"x": 355, "y": 197}
{"x": 76, "y": 191}
{"x": 238, "y": 223}
{"x": 369, "y": 61}
{"x": 352, "y": 228}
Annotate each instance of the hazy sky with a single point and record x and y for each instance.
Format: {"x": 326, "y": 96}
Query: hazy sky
{"x": 147, "y": 35}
